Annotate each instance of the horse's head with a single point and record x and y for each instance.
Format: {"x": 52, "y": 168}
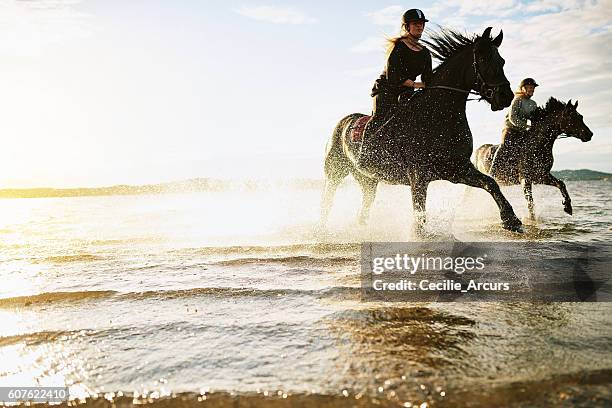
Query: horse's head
{"x": 491, "y": 81}
{"x": 572, "y": 124}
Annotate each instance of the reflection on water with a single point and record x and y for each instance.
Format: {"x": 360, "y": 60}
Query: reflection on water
{"x": 237, "y": 293}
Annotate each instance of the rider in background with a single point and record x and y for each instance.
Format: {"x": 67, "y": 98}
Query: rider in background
{"x": 406, "y": 59}
{"x": 515, "y": 128}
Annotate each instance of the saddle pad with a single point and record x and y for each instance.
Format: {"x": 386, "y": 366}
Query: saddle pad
{"x": 356, "y": 130}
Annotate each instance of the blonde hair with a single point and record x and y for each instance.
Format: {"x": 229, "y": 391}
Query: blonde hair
{"x": 519, "y": 91}
{"x": 404, "y": 35}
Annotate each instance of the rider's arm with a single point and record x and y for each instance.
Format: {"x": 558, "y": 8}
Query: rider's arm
{"x": 516, "y": 116}
{"x": 427, "y": 72}
{"x": 396, "y": 76}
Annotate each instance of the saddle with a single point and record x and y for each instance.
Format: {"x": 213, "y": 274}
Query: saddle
{"x": 355, "y": 131}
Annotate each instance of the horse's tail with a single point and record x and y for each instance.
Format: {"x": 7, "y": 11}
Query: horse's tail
{"x": 337, "y": 165}
{"x": 483, "y": 157}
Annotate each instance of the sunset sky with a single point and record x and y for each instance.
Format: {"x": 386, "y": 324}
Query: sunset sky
{"x": 107, "y": 92}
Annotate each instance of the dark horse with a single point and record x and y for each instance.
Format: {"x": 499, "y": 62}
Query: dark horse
{"x": 535, "y": 157}
{"x": 429, "y": 138}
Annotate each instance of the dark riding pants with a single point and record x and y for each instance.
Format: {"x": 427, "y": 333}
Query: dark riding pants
{"x": 384, "y": 103}
{"x": 506, "y": 158}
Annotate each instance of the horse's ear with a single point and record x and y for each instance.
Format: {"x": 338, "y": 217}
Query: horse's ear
{"x": 569, "y": 105}
{"x": 486, "y": 34}
{"x": 576, "y": 105}
{"x": 498, "y": 40}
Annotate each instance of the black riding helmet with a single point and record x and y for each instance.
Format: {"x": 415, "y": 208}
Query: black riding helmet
{"x": 413, "y": 15}
{"x": 528, "y": 81}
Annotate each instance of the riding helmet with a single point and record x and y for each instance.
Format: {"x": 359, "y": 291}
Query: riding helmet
{"x": 413, "y": 15}
{"x": 528, "y": 81}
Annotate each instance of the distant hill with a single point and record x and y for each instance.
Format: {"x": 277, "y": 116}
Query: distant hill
{"x": 203, "y": 184}
{"x": 192, "y": 185}
{"x": 582, "y": 175}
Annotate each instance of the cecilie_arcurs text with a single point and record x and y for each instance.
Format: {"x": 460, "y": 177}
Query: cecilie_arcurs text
{"x": 442, "y": 285}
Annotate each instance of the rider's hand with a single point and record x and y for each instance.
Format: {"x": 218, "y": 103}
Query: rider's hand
{"x": 419, "y": 85}
{"x": 409, "y": 83}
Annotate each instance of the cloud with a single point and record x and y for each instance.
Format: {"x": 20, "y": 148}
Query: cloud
{"x": 375, "y": 43}
{"x": 388, "y": 16}
{"x": 564, "y": 51}
{"x": 487, "y": 7}
{"x": 28, "y": 27}
{"x": 274, "y": 14}
{"x": 551, "y": 5}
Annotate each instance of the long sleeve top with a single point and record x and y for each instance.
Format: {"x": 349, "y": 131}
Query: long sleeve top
{"x": 520, "y": 110}
{"x": 402, "y": 64}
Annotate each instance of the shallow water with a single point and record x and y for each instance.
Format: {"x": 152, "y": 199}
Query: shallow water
{"x": 237, "y": 294}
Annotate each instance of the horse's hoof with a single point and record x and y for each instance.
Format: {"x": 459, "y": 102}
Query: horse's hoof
{"x": 568, "y": 209}
{"x": 514, "y": 225}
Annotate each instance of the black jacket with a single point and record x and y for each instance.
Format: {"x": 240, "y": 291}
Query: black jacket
{"x": 402, "y": 64}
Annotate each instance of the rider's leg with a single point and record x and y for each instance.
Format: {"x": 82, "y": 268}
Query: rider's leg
{"x": 383, "y": 104}
{"x": 499, "y": 162}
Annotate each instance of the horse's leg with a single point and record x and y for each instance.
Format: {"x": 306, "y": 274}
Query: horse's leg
{"x": 336, "y": 168}
{"x": 368, "y": 188}
{"x": 419, "y": 200}
{"x": 551, "y": 180}
{"x": 473, "y": 177}
{"x": 527, "y": 191}
{"x": 328, "y": 197}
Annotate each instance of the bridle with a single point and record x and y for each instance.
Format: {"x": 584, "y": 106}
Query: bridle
{"x": 560, "y": 124}
{"x": 486, "y": 91}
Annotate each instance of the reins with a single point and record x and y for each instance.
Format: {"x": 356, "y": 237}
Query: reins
{"x": 450, "y": 88}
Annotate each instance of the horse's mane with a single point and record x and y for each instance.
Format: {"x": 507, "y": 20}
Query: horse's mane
{"x": 553, "y": 105}
{"x": 447, "y": 42}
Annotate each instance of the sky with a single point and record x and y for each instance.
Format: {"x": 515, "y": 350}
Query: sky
{"x": 105, "y": 92}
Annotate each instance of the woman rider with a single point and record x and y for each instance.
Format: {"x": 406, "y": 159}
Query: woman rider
{"x": 406, "y": 59}
{"x": 515, "y": 130}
